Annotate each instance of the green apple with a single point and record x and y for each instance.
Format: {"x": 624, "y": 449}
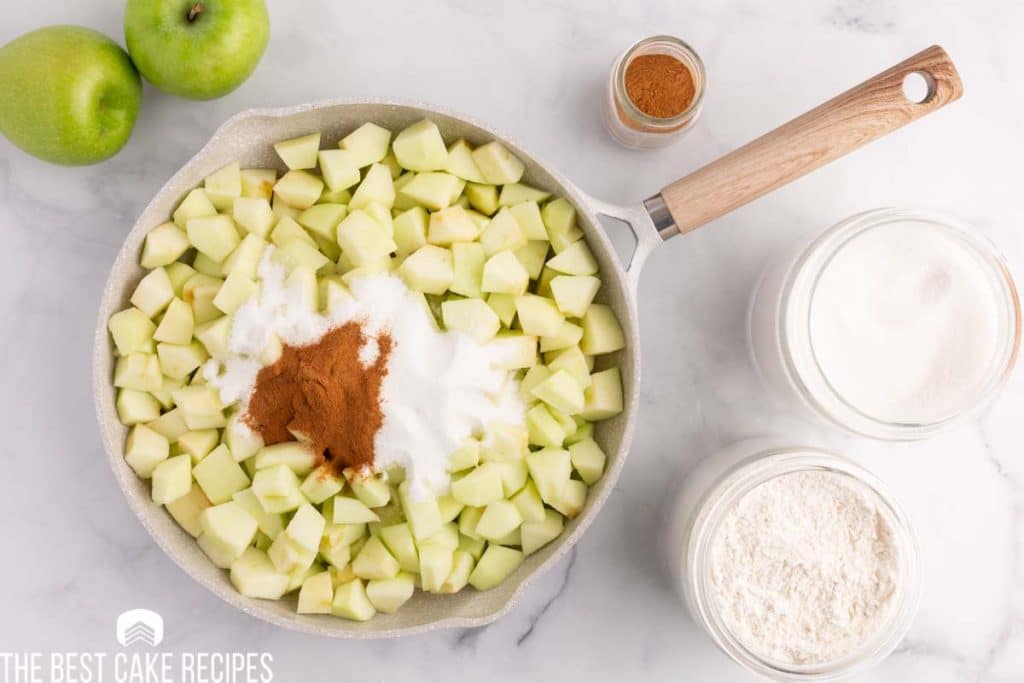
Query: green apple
{"x": 71, "y": 95}
{"x": 199, "y": 49}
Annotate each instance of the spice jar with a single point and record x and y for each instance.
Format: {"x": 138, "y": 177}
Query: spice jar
{"x": 655, "y": 92}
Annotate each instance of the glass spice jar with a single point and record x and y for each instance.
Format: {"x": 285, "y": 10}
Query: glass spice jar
{"x": 630, "y": 125}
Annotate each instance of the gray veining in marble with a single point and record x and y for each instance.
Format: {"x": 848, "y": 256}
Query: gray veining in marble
{"x": 74, "y": 555}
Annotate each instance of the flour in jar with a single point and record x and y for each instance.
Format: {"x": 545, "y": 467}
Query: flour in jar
{"x": 805, "y": 568}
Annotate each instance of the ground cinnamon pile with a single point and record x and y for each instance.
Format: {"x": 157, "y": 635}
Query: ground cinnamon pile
{"x": 324, "y": 393}
{"x": 659, "y": 85}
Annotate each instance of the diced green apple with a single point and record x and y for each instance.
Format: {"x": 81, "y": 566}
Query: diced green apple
{"x": 480, "y": 487}
{"x": 300, "y": 254}
{"x": 363, "y": 240}
{"x": 288, "y": 229}
{"x": 494, "y": 567}
{"x": 220, "y": 476}
{"x": 377, "y": 187}
{"x": 601, "y": 331}
{"x": 235, "y": 291}
{"x": 410, "y": 230}
{"x": 562, "y": 392}
{"x": 464, "y": 457}
{"x": 254, "y": 215}
{"x": 227, "y": 530}
{"x": 215, "y": 336}
{"x": 451, "y": 224}
{"x": 372, "y": 491}
{"x": 316, "y": 594}
{"x": 163, "y": 245}
{"x": 187, "y": 509}
{"x": 254, "y": 576}
{"x": 514, "y": 351}
{"x": 504, "y": 274}
{"x": 134, "y": 407}
{"x": 177, "y": 325}
{"x": 499, "y": 519}
{"x": 179, "y": 360}
{"x": 297, "y": 456}
{"x": 433, "y": 190}
{"x": 420, "y": 147}
{"x": 550, "y": 469}
{"x": 206, "y": 265}
{"x": 568, "y": 335}
{"x": 574, "y": 293}
{"x": 513, "y": 194}
{"x": 141, "y": 371}
{"x": 537, "y": 534}
{"x": 559, "y": 216}
{"x": 269, "y": 523}
{"x": 588, "y": 460}
{"x": 544, "y": 429}
{"x": 529, "y": 503}
{"x": 132, "y": 330}
{"x": 572, "y": 361}
{"x": 468, "y": 265}
{"x": 399, "y": 541}
{"x": 171, "y": 425}
{"x": 532, "y": 257}
{"x": 388, "y": 595}
{"x": 299, "y": 189}
{"x": 223, "y": 186}
{"x": 513, "y": 476}
{"x": 321, "y": 484}
{"x": 323, "y": 219}
{"x": 144, "y": 450}
{"x": 214, "y": 236}
{"x": 194, "y": 205}
{"x": 483, "y": 198}
{"x": 538, "y": 315}
{"x": 472, "y": 316}
{"x": 278, "y": 489}
{"x": 198, "y": 443}
{"x": 374, "y": 561}
{"x": 352, "y": 511}
{"x": 528, "y": 216}
{"x": 153, "y": 292}
{"x": 258, "y": 183}
{"x": 424, "y": 516}
{"x": 571, "y": 498}
{"x": 503, "y": 232}
{"x": 435, "y": 565}
{"x": 306, "y": 527}
{"x": 504, "y": 305}
{"x": 575, "y": 259}
{"x": 603, "y": 398}
{"x": 368, "y": 144}
{"x": 497, "y": 164}
{"x": 460, "y": 162}
{"x": 299, "y": 153}
{"x": 350, "y": 602}
{"x": 458, "y": 577}
{"x": 429, "y": 270}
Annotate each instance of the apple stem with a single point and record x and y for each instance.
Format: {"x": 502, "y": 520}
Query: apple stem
{"x": 195, "y": 11}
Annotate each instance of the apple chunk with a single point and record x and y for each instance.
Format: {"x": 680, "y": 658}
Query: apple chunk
{"x": 420, "y": 147}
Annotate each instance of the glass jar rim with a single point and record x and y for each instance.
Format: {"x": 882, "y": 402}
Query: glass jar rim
{"x": 764, "y": 466}
{"x": 700, "y": 79}
{"x": 794, "y": 323}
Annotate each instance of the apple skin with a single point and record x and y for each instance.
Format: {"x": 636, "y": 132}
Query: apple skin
{"x": 198, "y": 49}
{"x": 71, "y": 95}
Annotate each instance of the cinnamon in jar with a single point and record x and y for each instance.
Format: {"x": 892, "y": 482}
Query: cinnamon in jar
{"x": 655, "y": 92}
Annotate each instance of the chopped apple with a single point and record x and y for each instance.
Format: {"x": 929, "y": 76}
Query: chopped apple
{"x": 483, "y": 198}
{"x": 363, "y": 240}
{"x": 428, "y": 270}
{"x": 504, "y": 305}
{"x": 499, "y": 519}
{"x": 187, "y": 509}
{"x": 223, "y": 186}
{"x": 572, "y": 361}
{"x": 504, "y": 274}
{"x": 214, "y": 236}
{"x": 177, "y": 325}
{"x": 350, "y": 602}
{"x": 254, "y": 576}
{"x": 571, "y": 498}
{"x": 410, "y": 228}
{"x": 163, "y": 245}
{"x": 503, "y": 232}
{"x": 368, "y": 144}
{"x": 323, "y": 219}
{"x": 424, "y": 516}
{"x": 206, "y": 265}
{"x": 153, "y": 293}
{"x": 537, "y": 534}
{"x": 373, "y": 492}
{"x": 220, "y": 476}
{"x": 449, "y": 225}
{"x": 269, "y": 523}
{"x": 538, "y": 316}
{"x": 513, "y": 476}
{"x": 132, "y": 330}
{"x": 494, "y": 567}
{"x": 544, "y": 430}
{"x": 277, "y": 489}
{"x": 559, "y": 216}
{"x": 235, "y": 291}
{"x": 513, "y": 194}
{"x": 195, "y": 204}
{"x": 134, "y": 407}
{"x": 297, "y": 456}
{"x": 550, "y": 469}
{"x": 258, "y": 183}
{"x": 460, "y": 162}
{"x": 435, "y": 565}
{"x": 306, "y": 527}
{"x": 352, "y": 511}
{"x": 227, "y": 530}
{"x": 588, "y": 460}
{"x": 433, "y": 190}
{"x": 468, "y": 265}
{"x": 514, "y": 351}
{"x": 299, "y": 254}
{"x": 528, "y": 216}
{"x": 603, "y": 398}
{"x": 316, "y": 594}
{"x": 171, "y": 425}
{"x": 374, "y": 561}
{"x": 299, "y": 153}
{"x": 198, "y": 443}
{"x": 574, "y": 293}
{"x": 399, "y": 541}
{"x": 497, "y": 164}
{"x": 568, "y": 335}
{"x": 287, "y": 230}
{"x": 480, "y": 487}
{"x": 562, "y": 392}
{"x": 141, "y": 371}
{"x": 253, "y": 214}
{"x": 529, "y": 503}
{"x": 321, "y": 484}
{"x": 377, "y": 187}
{"x": 144, "y": 450}
{"x": 472, "y": 316}
{"x": 298, "y": 189}
{"x": 420, "y": 147}
{"x": 575, "y": 259}
{"x": 601, "y": 331}
{"x": 178, "y": 360}
{"x": 388, "y": 595}
{"x": 532, "y": 257}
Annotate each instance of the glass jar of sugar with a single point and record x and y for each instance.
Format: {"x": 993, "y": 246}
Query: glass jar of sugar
{"x": 797, "y": 563}
{"x": 894, "y": 324}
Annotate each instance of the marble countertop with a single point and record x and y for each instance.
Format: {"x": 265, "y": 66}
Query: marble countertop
{"x": 75, "y": 556}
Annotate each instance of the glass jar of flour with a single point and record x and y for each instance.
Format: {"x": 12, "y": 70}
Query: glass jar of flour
{"x": 797, "y": 563}
{"x": 893, "y": 324}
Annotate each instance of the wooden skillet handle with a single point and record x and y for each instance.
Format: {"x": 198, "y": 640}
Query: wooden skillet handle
{"x": 864, "y": 113}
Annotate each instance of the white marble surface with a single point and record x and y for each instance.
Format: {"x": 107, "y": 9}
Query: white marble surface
{"x": 73, "y": 554}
